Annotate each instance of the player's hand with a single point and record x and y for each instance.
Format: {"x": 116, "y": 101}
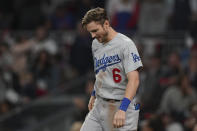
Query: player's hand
{"x": 91, "y": 102}
{"x": 119, "y": 119}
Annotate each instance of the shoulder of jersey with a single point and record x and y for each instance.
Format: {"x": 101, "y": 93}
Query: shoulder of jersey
{"x": 125, "y": 40}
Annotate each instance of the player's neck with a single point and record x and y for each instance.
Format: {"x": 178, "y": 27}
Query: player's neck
{"x": 111, "y": 34}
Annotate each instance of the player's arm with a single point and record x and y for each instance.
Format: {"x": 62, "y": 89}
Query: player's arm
{"x": 131, "y": 63}
{"x": 132, "y": 86}
{"x": 93, "y": 94}
{"x": 92, "y": 100}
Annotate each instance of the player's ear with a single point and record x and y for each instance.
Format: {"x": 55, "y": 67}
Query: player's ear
{"x": 106, "y": 24}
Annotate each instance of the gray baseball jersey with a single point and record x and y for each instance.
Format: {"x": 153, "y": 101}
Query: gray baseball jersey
{"x": 112, "y": 62}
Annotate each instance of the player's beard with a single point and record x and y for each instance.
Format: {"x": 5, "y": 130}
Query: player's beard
{"x": 103, "y": 38}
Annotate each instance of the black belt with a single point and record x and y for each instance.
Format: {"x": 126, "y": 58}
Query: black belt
{"x": 111, "y": 100}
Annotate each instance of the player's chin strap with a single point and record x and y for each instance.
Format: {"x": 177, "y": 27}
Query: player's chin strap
{"x": 125, "y": 104}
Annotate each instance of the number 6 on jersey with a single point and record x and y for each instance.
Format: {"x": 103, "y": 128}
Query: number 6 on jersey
{"x": 117, "y": 78}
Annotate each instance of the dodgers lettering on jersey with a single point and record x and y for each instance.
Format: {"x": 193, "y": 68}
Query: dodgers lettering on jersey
{"x": 106, "y": 61}
{"x": 112, "y": 62}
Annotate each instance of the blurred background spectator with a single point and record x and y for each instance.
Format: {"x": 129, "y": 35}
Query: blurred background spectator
{"x": 81, "y": 54}
{"x": 153, "y": 17}
{"x": 123, "y": 14}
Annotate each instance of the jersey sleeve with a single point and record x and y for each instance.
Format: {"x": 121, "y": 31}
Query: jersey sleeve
{"x": 131, "y": 58}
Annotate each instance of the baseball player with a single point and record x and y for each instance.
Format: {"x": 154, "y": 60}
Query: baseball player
{"x": 112, "y": 104}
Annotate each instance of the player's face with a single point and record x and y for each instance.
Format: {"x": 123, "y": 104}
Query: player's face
{"x": 98, "y": 31}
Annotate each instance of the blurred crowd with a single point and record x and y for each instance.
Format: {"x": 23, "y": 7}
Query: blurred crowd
{"x": 43, "y": 46}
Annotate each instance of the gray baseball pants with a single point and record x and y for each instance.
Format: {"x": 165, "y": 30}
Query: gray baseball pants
{"x": 100, "y": 118}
